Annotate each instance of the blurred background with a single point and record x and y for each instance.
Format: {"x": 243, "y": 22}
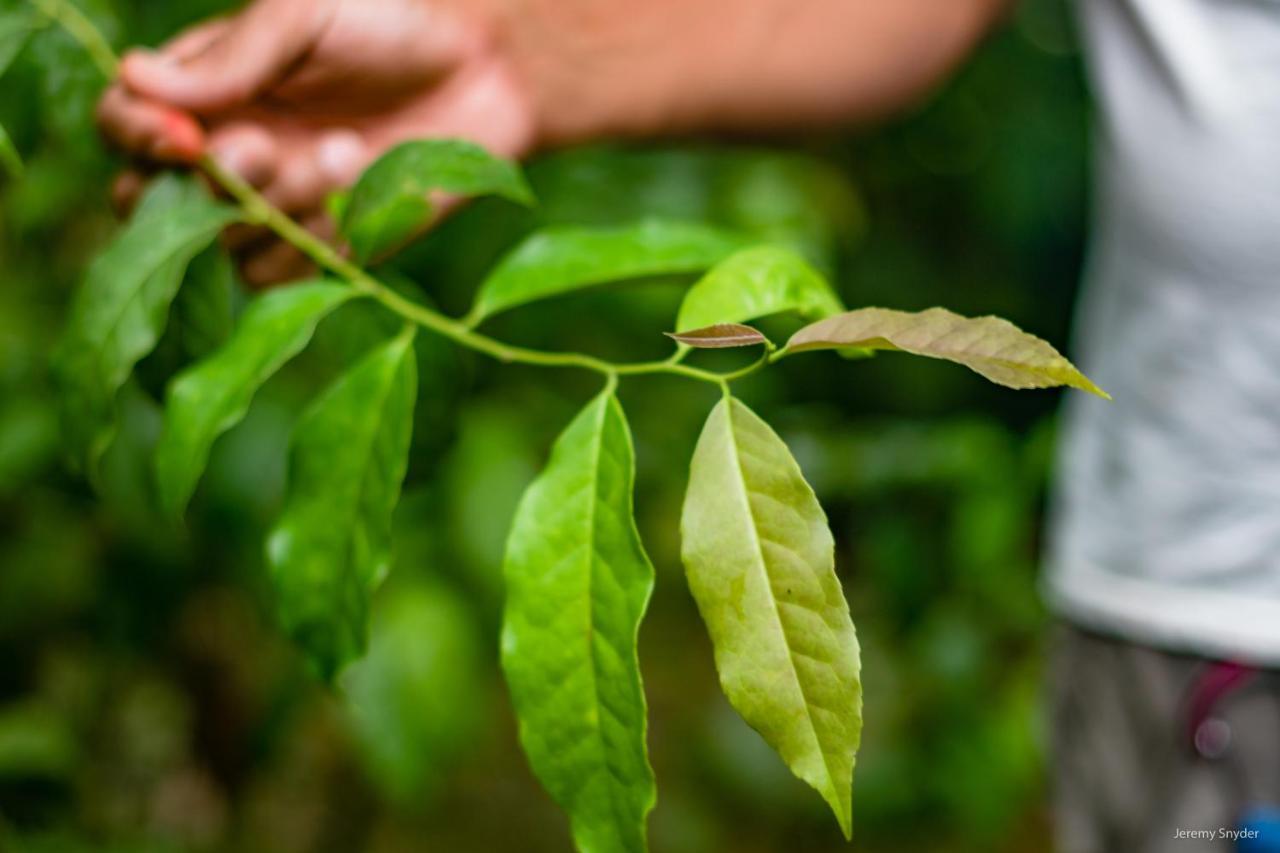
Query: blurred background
{"x": 148, "y": 702}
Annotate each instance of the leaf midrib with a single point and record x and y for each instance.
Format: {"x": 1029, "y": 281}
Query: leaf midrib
{"x": 777, "y": 613}
{"x": 109, "y": 329}
{"x": 597, "y": 451}
{"x": 367, "y": 455}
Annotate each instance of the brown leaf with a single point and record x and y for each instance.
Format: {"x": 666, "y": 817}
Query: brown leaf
{"x": 719, "y": 336}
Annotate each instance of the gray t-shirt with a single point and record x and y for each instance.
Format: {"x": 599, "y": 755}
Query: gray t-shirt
{"x": 1166, "y": 524}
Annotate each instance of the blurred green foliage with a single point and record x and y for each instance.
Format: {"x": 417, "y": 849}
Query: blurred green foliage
{"x": 148, "y": 702}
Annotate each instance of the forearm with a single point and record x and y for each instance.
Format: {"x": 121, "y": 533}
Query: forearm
{"x": 598, "y": 68}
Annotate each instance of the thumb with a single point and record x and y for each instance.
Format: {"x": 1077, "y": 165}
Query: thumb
{"x": 250, "y": 54}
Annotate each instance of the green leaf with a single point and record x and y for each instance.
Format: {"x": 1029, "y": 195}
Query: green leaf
{"x": 990, "y": 346}
{"x": 203, "y": 312}
{"x": 720, "y": 336}
{"x": 390, "y": 203}
{"x": 16, "y": 27}
{"x": 10, "y": 159}
{"x": 755, "y": 283}
{"x": 123, "y": 305}
{"x": 760, "y": 562}
{"x": 332, "y": 544}
{"x": 213, "y": 395}
{"x": 578, "y": 582}
{"x": 563, "y": 259}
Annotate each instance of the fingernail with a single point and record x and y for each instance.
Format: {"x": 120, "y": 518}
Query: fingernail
{"x": 182, "y": 136}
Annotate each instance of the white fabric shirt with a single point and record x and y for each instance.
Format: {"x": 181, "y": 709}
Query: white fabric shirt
{"x": 1166, "y": 519}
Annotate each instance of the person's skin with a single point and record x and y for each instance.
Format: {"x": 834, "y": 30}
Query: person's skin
{"x": 298, "y": 96}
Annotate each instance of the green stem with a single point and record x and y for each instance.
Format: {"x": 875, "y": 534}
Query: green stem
{"x": 258, "y": 211}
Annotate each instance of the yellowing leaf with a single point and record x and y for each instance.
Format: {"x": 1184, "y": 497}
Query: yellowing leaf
{"x": 990, "y": 346}
{"x": 578, "y": 582}
{"x": 761, "y": 566}
{"x": 720, "y": 336}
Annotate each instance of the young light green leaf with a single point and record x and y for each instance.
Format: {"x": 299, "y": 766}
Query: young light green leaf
{"x": 720, "y": 336}
{"x": 761, "y": 566}
{"x": 213, "y": 395}
{"x": 332, "y": 544}
{"x": 755, "y": 283}
{"x": 10, "y": 159}
{"x": 990, "y": 346}
{"x": 578, "y": 582}
{"x": 123, "y": 305}
{"x": 389, "y": 203}
{"x": 563, "y": 259}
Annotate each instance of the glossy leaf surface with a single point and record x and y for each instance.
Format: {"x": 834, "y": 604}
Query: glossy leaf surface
{"x": 755, "y": 283}
{"x": 990, "y": 346}
{"x": 204, "y": 311}
{"x": 578, "y": 582}
{"x": 760, "y": 562}
{"x": 563, "y": 259}
{"x": 123, "y": 305}
{"x": 331, "y": 546}
{"x": 390, "y": 202}
{"x": 213, "y": 395}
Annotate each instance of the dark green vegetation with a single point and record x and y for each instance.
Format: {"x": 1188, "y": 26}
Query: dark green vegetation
{"x": 153, "y": 698}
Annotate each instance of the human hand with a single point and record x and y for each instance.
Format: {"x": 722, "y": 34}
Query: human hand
{"x": 298, "y": 96}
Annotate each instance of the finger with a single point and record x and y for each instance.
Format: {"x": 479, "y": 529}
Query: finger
{"x": 252, "y": 52}
{"x": 148, "y": 130}
{"x": 307, "y": 175}
{"x": 482, "y": 103}
{"x": 341, "y": 155}
{"x": 194, "y": 40}
{"x": 247, "y": 149}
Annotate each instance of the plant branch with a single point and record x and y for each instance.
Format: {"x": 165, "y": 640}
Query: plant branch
{"x": 258, "y": 211}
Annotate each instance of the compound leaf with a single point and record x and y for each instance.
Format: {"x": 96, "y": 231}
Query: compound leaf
{"x": 754, "y": 283}
{"x": 562, "y": 259}
{"x": 389, "y": 203}
{"x": 331, "y": 546}
{"x": 123, "y": 305}
{"x": 990, "y": 346}
{"x": 760, "y": 563}
{"x": 213, "y": 395}
{"x": 578, "y": 582}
